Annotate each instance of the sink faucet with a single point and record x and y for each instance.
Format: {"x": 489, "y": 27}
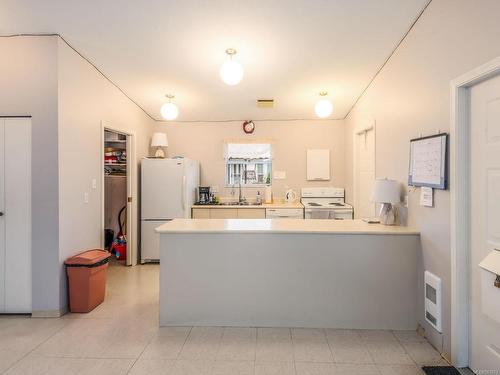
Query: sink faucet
{"x": 241, "y": 198}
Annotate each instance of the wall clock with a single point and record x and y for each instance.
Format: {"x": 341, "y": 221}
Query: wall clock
{"x": 248, "y": 127}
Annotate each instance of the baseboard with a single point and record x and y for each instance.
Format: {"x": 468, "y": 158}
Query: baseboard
{"x": 48, "y": 313}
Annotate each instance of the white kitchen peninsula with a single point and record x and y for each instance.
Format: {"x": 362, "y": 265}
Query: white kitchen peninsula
{"x": 289, "y": 273}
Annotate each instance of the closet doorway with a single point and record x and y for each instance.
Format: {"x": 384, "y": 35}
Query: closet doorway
{"x": 119, "y": 204}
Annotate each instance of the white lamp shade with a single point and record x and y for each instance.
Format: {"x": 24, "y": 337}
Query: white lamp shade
{"x": 159, "y": 140}
{"x": 386, "y": 191}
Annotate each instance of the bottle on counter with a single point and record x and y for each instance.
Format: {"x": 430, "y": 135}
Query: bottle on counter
{"x": 258, "y": 198}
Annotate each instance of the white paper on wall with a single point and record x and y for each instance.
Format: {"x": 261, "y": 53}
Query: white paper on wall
{"x": 426, "y": 197}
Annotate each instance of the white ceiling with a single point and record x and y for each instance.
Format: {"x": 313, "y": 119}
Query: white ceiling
{"x": 290, "y": 49}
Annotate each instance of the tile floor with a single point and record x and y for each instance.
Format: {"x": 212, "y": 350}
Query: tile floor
{"x": 122, "y": 337}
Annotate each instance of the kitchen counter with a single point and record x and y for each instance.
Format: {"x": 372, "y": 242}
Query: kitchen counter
{"x": 263, "y": 205}
{"x": 288, "y": 273}
{"x": 281, "y": 226}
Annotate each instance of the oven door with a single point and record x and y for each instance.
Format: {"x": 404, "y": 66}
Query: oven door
{"x": 319, "y": 213}
{"x": 328, "y": 214}
{"x": 342, "y": 214}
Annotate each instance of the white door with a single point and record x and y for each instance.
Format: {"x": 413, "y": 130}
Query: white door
{"x": 15, "y": 220}
{"x": 163, "y": 189}
{"x": 364, "y": 172}
{"x": 484, "y": 334}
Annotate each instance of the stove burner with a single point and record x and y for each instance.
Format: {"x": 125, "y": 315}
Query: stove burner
{"x": 314, "y": 204}
{"x": 336, "y": 204}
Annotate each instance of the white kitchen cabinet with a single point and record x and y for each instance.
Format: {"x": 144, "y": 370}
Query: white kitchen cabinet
{"x": 318, "y": 165}
{"x": 15, "y": 217}
{"x": 284, "y": 213}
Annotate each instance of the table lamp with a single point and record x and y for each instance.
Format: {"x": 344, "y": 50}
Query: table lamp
{"x": 387, "y": 192}
{"x": 159, "y": 140}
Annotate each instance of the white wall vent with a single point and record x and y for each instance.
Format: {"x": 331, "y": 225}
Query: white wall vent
{"x": 432, "y": 295}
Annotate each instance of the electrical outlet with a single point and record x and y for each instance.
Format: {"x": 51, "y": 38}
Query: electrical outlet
{"x": 405, "y": 202}
{"x": 85, "y": 197}
{"x": 94, "y": 183}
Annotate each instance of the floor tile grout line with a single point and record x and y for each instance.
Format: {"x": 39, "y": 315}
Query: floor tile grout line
{"x": 34, "y": 348}
{"x": 140, "y": 354}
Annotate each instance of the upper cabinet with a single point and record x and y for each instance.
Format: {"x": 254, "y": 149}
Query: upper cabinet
{"x": 318, "y": 165}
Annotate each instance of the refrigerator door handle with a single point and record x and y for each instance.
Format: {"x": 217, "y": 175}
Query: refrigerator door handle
{"x": 184, "y": 193}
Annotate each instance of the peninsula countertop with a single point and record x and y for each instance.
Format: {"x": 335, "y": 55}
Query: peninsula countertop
{"x": 281, "y": 226}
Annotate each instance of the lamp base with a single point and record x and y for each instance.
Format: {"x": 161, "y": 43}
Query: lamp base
{"x": 160, "y": 153}
{"x": 387, "y": 214}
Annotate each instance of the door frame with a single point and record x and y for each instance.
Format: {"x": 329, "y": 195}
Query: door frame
{"x": 356, "y": 133}
{"x": 132, "y": 217}
{"x": 460, "y": 206}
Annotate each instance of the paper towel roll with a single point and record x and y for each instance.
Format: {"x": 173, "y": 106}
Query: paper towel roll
{"x": 268, "y": 194}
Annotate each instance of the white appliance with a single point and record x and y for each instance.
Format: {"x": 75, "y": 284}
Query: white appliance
{"x": 284, "y": 213}
{"x": 325, "y": 203}
{"x": 433, "y": 300}
{"x": 168, "y": 190}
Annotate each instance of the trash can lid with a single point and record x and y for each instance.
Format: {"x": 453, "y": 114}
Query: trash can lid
{"x": 88, "y": 257}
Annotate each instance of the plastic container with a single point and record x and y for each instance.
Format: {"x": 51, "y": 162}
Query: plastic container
{"x": 87, "y": 279}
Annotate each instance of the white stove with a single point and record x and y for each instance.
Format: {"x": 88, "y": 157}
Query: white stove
{"x": 326, "y": 203}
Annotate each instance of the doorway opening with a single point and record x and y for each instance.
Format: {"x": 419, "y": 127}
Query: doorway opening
{"x": 119, "y": 210}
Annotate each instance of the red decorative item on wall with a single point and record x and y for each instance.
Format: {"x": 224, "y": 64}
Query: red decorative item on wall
{"x": 248, "y": 127}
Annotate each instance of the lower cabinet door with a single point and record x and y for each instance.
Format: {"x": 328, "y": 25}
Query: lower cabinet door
{"x": 251, "y": 213}
{"x": 201, "y": 213}
{"x": 224, "y": 213}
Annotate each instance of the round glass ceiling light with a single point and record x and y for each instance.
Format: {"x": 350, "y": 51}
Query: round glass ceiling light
{"x": 323, "y": 107}
{"x": 169, "y": 111}
{"x": 231, "y": 72}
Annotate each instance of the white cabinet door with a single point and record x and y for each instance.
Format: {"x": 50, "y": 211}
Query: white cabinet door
{"x": 484, "y": 322}
{"x": 15, "y": 223}
{"x": 2, "y": 217}
{"x": 318, "y": 165}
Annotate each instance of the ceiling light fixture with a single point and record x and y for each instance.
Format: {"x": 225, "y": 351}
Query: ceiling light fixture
{"x": 323, "y": 107}
{"x": 231, "y": 72}
{"x": 169, "y": 111}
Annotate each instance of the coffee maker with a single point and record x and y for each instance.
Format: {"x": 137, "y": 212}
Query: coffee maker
{"x": 204, "y": 194}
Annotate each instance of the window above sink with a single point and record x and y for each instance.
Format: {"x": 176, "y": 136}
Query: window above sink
{"x": 248, "y": 164}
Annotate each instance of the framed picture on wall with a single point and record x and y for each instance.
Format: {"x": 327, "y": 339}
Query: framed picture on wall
{"x": 428, "y": 161}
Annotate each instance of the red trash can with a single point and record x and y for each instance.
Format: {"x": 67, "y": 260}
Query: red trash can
{"x": 87, "y": 279}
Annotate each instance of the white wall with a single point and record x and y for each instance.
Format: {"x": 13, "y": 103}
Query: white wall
{"x": 86, "y": 99}
{"x": 67, "y": 99}
{"x": 28, "y": 86}
{"x": 411, "y": 97}
{"x": 290, "y": 139}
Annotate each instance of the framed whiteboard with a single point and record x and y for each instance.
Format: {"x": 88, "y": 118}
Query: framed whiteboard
{"x": 428, "y": 158}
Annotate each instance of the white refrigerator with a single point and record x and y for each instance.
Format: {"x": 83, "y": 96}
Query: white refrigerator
{"x": 168, "y": 190}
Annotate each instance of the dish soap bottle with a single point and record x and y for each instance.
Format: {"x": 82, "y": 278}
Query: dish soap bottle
{"x": 258, "y": 199}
